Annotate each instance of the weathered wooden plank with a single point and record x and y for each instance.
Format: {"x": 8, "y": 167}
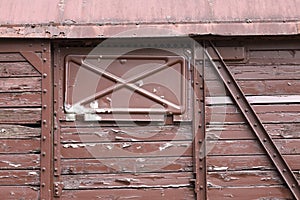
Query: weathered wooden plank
{"x": 139, "y": 181}
{"x": 280, "y": 99}
{"x": 138, "y": 133}
{"x": 250, "y": 162}
{"x": 19, "y": 192}
{"x": 113, "y": 165}
{"x": 250, "y": 192}
{"x": 20, "y": 115}
{"x": 274, "y": 56}
{"x": 17, "y": 69}
{"x": 134, "y": 194}
{"x": 23, "y": 84}
{"x": 243, "y": 131}
{"x": 19, "y": 177}
{"x": 257, "y": 87}
{"x": 18, "y": 131}
{"x": 249, "y": 147}
{"x": 243, "y": 178}
{"x": 126, "y": 149}
{"x": 19, "y": 161}
{"x": 258, "y": 72}
{"x": 267, "y": 113}
{"x": 20, "y": 146}
{"x": 30, "y": 99}
{"x": 9, "y": 57}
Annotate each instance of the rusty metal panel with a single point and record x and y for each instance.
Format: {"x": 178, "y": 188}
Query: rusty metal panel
{"x": 145, "y": 75}
{"x": 93, "y": 19}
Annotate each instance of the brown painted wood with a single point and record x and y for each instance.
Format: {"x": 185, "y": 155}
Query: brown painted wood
{"x": 248, "y": 147}
{"x": 268, "y": 114}
{"x": 109, "y": 181}
{"x": 101, "y": 165}
{"x": 249, "y": 162}
{"x": 137, "y": 133}
{"x": 19, "y": 161}
{"x": 30, "y": 99}
{"x": 18, "y": 131}
{"x": 19, "y": 192}
{"x": 126, "y": 149}
{"x": 4, "y": 57}
{"x": 17, "y": 69}
{"x": 134, "y": 194}
{"x": 243, "y": 178}
{"x": 9, "y": 146}
{"x": 20, "y": 115}
{"x": 250, "y": 192}
{"x": 257, "y": 87}
{"x": 19, "y": 177}
{"x": 259, "y": 72}
{"x": 242, "y": 131}
{"x": 25, "y": 84}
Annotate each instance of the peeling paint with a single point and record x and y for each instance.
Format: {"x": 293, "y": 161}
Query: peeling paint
{"x": 165, "y": 146}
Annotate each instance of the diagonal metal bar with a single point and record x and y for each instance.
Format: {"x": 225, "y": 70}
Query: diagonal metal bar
{"x": 253, "y": 120}
{"x": 127, "y": 83}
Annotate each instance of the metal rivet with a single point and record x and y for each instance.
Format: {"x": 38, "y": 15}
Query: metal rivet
{"x": 199, "y": 126}
{"x": 200, "y": 75}
{"x": 200, "y": 141}
{"x": 44, "y": 59}
{"x": 44, "y": 106}
{"x": 274, "y": 155}
{"x": 55, "y": 101}
{"x": 44, "y": 121}
{"x": 45, "y": 90}
{"x": 246, "y": 110}
{"x": 55, "y": 158}
{"x": 30, "y": 45}
{"x": 201, "y": 167}
{"x": 55, "y": 169}
{"x": 197, "y": 83}
{"x": 44, "y": 138}
{"x": 238, "y": 97}
{"x": 201, "y": 100}
{"x": 43, "y": 153}
{"x": 201, "y": 159}
{"x": 228, "y": 82}
{"x": 201, "y": 87}
{"x": 55, "y": 127}
{"x": 265, "y": 139}
{"x": 44, "y": 49}
{"x": 43, "y": 184}
{"x": 44, "y": 75}
{"x": 43, "y": 169}
{"x": 55, "y": 65}
{"x": 293, "y": 185}
{"x": 284, "y": 170}
{"x": 199, "y": 111}
{"x": 55, "y": 143}
{"x": 55, "y": 85}
{"x": 219, "y": 67}
{"x": 255, "y": 125}
{"x": 201, "y": 187}
{"x": 42, "y": 44}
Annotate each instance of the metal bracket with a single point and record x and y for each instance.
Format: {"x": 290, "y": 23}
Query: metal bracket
{"x": 256, "y": 125}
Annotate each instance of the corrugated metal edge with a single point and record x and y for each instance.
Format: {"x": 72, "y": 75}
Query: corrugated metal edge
{"x": 146, "y": 30}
